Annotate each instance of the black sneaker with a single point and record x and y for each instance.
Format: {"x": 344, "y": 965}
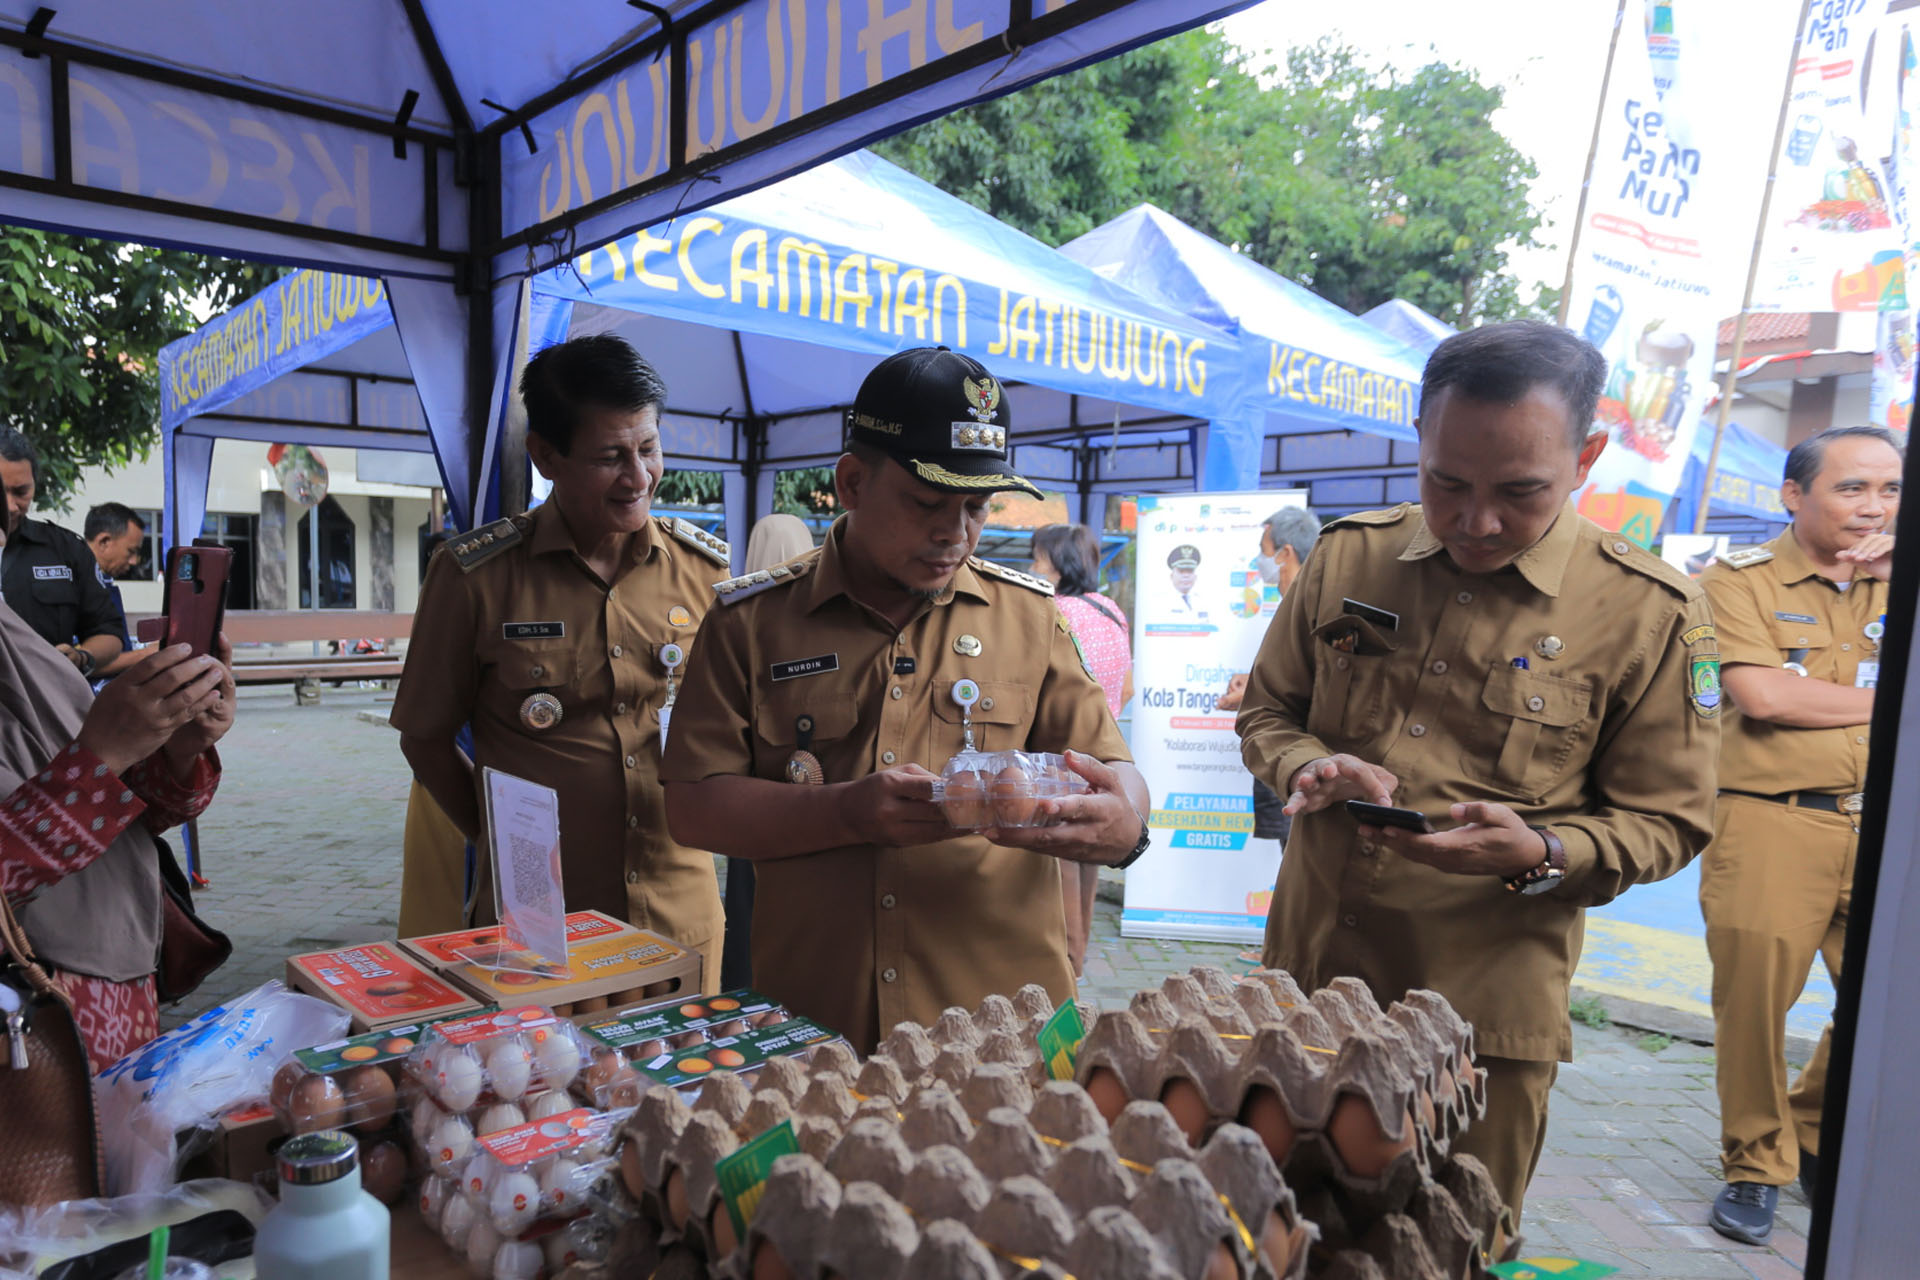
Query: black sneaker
{"x": 1743, "y": 1211}
{"x": 1809, "y": 1173}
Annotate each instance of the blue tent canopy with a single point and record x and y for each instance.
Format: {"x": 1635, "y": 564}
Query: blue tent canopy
{"x": 452, "y": 147}
{"x": 1321, "y": 373}
{"x": 1408, "y": 325}
{"x": 1746, "y": 483}
{"x": 764, "y": 312}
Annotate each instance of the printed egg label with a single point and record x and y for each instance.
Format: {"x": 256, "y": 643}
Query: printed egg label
{"x": 528, "y": 1020}
{"x": 373, "y": 1049}
{"x": 377, "y": 983}
{"x": 657, "y": 1022}
{"x": 744, "y": 1053}
{"x": 535, "y": 1140}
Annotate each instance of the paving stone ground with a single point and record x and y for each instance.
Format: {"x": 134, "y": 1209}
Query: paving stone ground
{"x": 303, "y": 850}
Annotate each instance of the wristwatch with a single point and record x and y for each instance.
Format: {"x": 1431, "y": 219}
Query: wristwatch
{"x": 1548, "y": 874}
{"x": 1139, "y": 848}
{"x": 85, "y": 659}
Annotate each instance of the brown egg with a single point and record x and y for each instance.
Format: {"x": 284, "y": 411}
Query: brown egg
{"x": 370, "y": 1098}
{"x": 600, "y": 1073}
{"x": 316, "y": 1103}
{"x": 1108, "y": 1093}
{"x": 1429, "y": 1114}
{"x": 678, "y": 1207}
{"x": 687, "y": 1039}
{"x": 725, "y": 1029}
{"x": 1188, "y": 1106}
{"x": 1360, "y": 1139}
{"x": 383, "y": 1171}
{"x": 290, "y": 1074}
{"x": 720, "y": 1231}
{"x": 1281, "y": 1245}
{"x": 768, "y": 1264}
{"x": 771, "y": 1018}
{"x": 632, "y": 1173}
{"x": 1014, "y": 803}
{"x": 1221, "y": 1265}
{"x": 647, "y": 1050}
{"x": 592, "y": 1004}
{"x": 625, "y": 1088}
{"x": 562, "y": 1010}
{"x": 1266, "y": 1115}
{"x": 967, "y": 805}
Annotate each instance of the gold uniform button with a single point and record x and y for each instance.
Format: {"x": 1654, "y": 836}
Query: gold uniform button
{"x": 633, "y": 877}
{"x": 1440, "y": 667}
{"x": 631, "y": 762}
{"x": 1536, "y": 703}
{"x": 1418, "y": 730}
{"x": 897, "y": 693}
{"x": 889, "y": 975}
{"x": 617, "y": 651}
{"x": 886, "y": 757}
{"x": 887, "y": 902}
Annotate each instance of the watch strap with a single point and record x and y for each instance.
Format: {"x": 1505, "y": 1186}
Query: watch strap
{"x": 1552, "y": 868}
{"x": 1139, "y": 849}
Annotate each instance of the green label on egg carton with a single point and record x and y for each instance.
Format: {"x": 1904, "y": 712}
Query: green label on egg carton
{"x": 743, "y": 1052}
{"x": 1060, "y": 1041}
{"x": 370, "y": 1050}
{"x": 658, "y": 1022}
{"x": 1551, "y": 1269}
{"x": 743, "y": 1174}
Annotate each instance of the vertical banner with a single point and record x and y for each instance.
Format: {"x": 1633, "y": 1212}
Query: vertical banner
{"x": 1201, "y": 608}
{"x": 1676, "y": 175}
{"x": 1895, "y": 340}
{"x": 1831, "y": 242}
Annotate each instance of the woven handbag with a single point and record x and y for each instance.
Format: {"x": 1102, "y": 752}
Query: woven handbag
{"x": 50, "y": 1138}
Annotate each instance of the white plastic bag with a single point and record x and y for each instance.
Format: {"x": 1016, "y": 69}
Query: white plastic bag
{"x": 31, "y": 1240}
{"x": 188, "y": 1076}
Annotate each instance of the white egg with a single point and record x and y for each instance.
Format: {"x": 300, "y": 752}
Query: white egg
{"x": 456, "y": 1220}
{"x": 477, "y": 1176}
{"x": 517, "y": 1261}
{"x": 513, "y": 1203}
{"x": 559, "y": 1060}
{"x": 481, "y": 1244}
{"x": 563, "y": 1188}
{"x": 457, "y": 1082}
{"x": 561, "y": 1250}
{"x": 450, "y": 1145}
{"x": 433, "y": 1199}
{"x": 501, "y": 1115}
{"x": 547, "y": 1105}
{"x": 423, "y": 1119}
{"x": 508, "y": 1070}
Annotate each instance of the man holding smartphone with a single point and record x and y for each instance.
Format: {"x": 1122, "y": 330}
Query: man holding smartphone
{"x": 1545, "y": 691}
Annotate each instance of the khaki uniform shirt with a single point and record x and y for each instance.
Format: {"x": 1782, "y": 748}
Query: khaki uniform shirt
{"x": 531, "y": 617}
{"x": 863, "y": 937}
{"x": 1612, "y": 743}
{"x": 1773, "y": 609}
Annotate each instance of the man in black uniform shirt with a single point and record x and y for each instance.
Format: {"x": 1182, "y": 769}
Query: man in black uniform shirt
{"x": 48, "y": 575}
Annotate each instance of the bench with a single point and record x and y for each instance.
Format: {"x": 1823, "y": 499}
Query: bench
{"x": 308, "y": 626}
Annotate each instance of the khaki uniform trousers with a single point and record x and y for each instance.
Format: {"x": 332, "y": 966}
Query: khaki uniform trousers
{"x": 1774, "y": 890}
{"x": 1509, "y": 1137}
{"x": 433, "y": 869}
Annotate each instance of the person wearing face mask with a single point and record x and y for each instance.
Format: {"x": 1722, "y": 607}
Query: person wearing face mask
{"x": 1802, "y": 624}
{"x": 1544, "y": 691}
{"x": 561, "y": 636}
{"x": 823, "y": 693}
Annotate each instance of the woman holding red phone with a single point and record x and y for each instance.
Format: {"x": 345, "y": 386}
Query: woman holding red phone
{"x": 85, "y": 783}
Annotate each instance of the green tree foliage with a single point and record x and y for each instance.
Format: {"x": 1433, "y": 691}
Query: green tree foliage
{"x": 1363, "y": 184}
{"x": 81, "y": 326}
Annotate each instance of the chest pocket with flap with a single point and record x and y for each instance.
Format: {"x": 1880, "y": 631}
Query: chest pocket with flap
{"x": 1533, "y": 722}
{"x": 1000, "y": 719}
{"x": 1350, "y": 656}
{"x": 532, "y": 666}
{"x": 1808, "y": 643}
{"x": 776, "y": 726}
{"x": 56, "y": 592}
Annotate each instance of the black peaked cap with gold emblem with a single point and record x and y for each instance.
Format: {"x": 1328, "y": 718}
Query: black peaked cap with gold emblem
{"x": 942, "y": 416}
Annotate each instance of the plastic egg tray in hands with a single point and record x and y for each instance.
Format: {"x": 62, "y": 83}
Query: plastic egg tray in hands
{"x": 979, "y": 790}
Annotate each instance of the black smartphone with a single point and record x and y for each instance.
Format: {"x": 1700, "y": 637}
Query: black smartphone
{"x": 1383, "y": 815}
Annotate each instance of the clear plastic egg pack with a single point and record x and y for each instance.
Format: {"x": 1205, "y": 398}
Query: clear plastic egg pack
{"x": 478, "y": 1076}
{"x": 984, "y": 789}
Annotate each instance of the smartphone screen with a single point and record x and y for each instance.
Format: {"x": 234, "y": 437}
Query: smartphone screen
{"x": 1380, "y": 815}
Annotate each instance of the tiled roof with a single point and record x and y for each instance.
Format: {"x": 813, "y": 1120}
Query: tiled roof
{"x": 1770, "y": 326}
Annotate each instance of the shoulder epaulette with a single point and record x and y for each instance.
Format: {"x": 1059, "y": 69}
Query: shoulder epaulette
{"x": 715, "y": 549}
{"x": 1014, "y": 576}
{"x": 1745, "y": 557}
{"x": 1631, "y": 555}
{"x": 734, "y": 590}
{"x": 1390, "y": 515}
{"x": 483, "y": 544}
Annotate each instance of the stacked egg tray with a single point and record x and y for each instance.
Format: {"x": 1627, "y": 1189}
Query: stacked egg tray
{"x": 355, "y": 1085}
{"x": 1359, "y": 1109}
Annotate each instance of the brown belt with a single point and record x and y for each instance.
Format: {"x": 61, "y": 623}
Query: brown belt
{"x": 1826, "y": 802}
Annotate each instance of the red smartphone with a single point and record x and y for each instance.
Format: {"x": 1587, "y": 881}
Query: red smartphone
{"x": 196, "y": 596}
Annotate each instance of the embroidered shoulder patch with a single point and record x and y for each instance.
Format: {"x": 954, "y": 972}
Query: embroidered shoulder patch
{"x": 1703, "y": 685}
